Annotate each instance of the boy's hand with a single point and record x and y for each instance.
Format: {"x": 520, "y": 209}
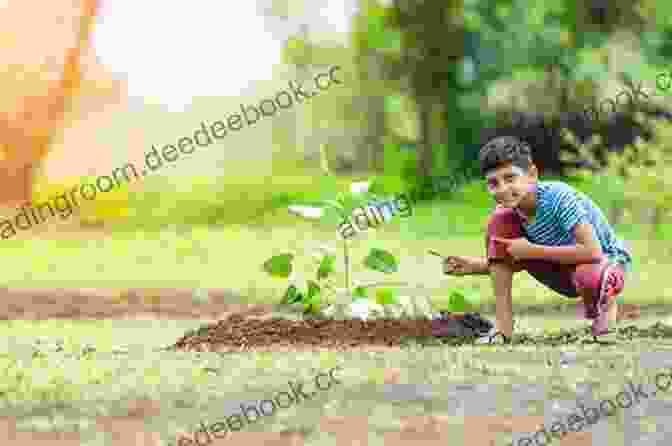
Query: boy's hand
{"x": 518, "y": 248}
{"x": 461, "y": 266}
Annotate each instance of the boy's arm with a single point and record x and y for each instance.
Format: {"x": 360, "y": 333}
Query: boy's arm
{"x": 483, "y": 267}
{"x": 573, "y": 218}
{"x": 586, "y": 250}
{"x": 501, "y": 275}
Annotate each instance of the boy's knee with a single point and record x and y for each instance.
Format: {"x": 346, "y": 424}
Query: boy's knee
{"x": 586, "y": 278}
{"x": 503, "y": 223}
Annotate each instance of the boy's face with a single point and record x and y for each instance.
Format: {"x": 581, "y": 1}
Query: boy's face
{"x": 509, "y": 184}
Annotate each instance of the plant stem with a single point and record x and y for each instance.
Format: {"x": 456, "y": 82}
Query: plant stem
{"x": 346, "y": 256}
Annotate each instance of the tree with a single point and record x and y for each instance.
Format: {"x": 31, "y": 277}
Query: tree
{"x": 336, "y": 118}
{"x": 432, "y": 45}
{"x": 638, "y": 177}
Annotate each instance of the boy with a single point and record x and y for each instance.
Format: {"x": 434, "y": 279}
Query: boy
{"x": 547, "y": 228}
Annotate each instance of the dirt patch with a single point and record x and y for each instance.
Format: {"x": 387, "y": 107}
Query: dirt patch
{"x": 89, "y": 303}
{"x": 426, "y": 430}
{"x": 239, "y": 333}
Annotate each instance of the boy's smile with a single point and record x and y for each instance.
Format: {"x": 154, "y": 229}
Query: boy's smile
{"x": 512, "y": 187}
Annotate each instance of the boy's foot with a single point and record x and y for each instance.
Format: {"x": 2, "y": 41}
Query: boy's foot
{"x": 625, "y": 312}
{"x": 610, "y": 285}
{"x": 494, "y": 337}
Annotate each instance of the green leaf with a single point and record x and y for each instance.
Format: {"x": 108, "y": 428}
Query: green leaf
{"x": 359, "y": 292}
{"x": 292, "y": 295}
{"x": 279, "y": 265}
{"x": 327, "y": 266}
{"x": 381, "y": 261}
{"x": 313, "y": 289}
{"x": 461, "y": 300}
{"x": 385, "y": 296}
{"x": 353, "y": 201}
{"x": 313, "y": 299}
{"x": 457, "y": 301}
{"x": 335, "y": 204}
{"x": 334, "y": 213}
{"x": 473, "y": 298}
{"x": 332, "y": 218}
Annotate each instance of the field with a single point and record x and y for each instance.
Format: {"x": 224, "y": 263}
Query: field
{"x": 92, "y": 368}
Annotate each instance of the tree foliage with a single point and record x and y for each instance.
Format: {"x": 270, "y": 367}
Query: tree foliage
{"x": 452, "y": 70}
{"x": 639, "y": 175}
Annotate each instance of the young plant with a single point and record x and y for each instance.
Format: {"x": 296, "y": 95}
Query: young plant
{"x": 314, "y": 292}
{"x": 310, "y": 295}
{"x": 329, "y": 211}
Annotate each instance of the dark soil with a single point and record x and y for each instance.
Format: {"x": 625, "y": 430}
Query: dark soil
{"x": 239, "y": 333}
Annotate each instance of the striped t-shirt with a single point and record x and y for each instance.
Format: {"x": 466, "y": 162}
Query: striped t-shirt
{"x": 559, "y": 209}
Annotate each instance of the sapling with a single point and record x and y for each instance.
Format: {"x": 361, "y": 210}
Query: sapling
{"x": 318, "y": 288}
{"x": 311, "y": 294}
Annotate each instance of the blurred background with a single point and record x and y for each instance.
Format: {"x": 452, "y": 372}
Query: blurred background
{"x": 90, "y": 85}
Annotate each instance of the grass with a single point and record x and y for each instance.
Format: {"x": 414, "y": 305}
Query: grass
{"x": 203, "y": 257}
{"x": 64, "y": 390}
{"x": 199, "y": 255}
{"x": 52, "y": 387}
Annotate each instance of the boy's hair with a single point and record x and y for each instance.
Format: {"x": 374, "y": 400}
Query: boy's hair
{"x": 504, "y": 150}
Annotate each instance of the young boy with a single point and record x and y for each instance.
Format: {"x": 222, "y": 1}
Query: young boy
{"x": 547, "y": 228}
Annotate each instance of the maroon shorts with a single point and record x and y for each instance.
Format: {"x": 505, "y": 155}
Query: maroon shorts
{"x": 569, "y": 280}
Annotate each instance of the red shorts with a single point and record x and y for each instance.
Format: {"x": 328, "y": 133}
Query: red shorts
{"x": 569, "y": 280}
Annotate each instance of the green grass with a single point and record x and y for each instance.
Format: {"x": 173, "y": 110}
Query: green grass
{"x": 61, "y": 389}
{"x": 230, "y": 255}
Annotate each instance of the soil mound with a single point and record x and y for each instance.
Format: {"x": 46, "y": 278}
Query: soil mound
{"x": 245, "y": 332}
{"x": 239, "y": 333}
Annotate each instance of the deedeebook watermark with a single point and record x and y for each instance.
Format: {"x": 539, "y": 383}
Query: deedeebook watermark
{"x": 267, "y": 408}
{"x": 591, "y": 415}
{"x": 203, "y": 136}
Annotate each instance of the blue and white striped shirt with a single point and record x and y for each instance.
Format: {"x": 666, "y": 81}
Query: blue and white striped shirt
{"x": 559, "y": 209}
